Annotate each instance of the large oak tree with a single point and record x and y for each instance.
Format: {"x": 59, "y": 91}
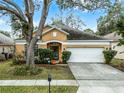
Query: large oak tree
{"x": 25, "y": 17}
{"x": 108, "y": 23}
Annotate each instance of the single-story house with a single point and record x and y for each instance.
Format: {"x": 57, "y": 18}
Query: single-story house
{"x": 6, "y": 46}
{"x": 84, "y": 47}
{"x": 114, "y": 44}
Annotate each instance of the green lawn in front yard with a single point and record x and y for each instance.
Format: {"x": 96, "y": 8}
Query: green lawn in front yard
{"x": 57, "y": 72}
{"x": 38, "y": 89}
{"x": 118, "y": 63}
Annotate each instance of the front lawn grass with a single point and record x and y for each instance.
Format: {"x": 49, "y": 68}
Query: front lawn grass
{"x": 118, "y": 63}
{"x": 38, "y": 89}
{"x": 57, "y": 72}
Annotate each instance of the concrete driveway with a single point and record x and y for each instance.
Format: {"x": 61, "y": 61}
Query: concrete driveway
{"x": 97, "y": 78}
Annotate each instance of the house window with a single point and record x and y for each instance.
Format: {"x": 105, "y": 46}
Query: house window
{"x": 54, "y": 34}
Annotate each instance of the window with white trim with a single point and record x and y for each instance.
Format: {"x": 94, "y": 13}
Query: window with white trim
{"x": 54, "y": 34}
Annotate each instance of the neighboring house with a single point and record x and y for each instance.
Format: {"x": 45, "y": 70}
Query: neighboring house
{"x": 114, "y": 44}
{"x": 84, "y": 47}
{"x": 6, "y": 45}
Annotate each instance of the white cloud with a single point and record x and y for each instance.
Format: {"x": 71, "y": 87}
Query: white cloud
{"x": 36, "y": 23}
{"x": 2, "y": 22}
{"x": 5, "y": 28}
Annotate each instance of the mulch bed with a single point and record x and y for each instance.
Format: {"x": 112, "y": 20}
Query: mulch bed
{"x": 47, "y": 65}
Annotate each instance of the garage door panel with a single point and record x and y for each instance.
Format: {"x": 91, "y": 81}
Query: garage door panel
{"x": 86, "y": 55}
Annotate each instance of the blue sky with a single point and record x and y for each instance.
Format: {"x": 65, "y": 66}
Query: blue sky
{"x": 89, "y": 18}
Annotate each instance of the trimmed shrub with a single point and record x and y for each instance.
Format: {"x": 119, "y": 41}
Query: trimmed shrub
{"x": 65, "y": 56}
{"x": 109, "y": 55}
{"x": 42, "y": 55}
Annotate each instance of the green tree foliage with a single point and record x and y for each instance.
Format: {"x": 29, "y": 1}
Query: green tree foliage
{"x": 88, "y": 30}
{"x": 71, "y": 20}
{"x": 107, "y": 24}
{"x": 5, "y": 33}
{"x": 120, "y": 31}
{"x": 83, "y": 4}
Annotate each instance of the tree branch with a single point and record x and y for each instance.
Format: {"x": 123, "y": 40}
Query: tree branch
{"x": 11, "y": 11}
{"x": 29, "y": 8}
{"x": 10, "y": 2}
{"x": 26, "y": 8}
{"x": 43, "y": 17}
{"x": 42, "y": 22}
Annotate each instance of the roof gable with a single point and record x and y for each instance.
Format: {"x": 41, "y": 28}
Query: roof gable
{"x": 56, "y": 29}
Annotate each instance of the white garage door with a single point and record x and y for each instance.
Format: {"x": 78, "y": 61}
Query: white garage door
{"x": 86, "y": 55}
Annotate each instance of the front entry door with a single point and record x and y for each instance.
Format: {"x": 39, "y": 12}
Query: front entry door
{"x": 55, "y": 52}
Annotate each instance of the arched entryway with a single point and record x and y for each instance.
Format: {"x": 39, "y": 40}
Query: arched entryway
{"x": 57, "y": 50}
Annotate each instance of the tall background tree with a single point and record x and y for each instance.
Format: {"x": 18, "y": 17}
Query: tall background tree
{"x": 70, "y": 20}
{"x": 88, "y": 30}
{"x": 120, "y": 31}
{"x": 5, "y": 33}
{"x": 25, "y": 17}
{"x": 108, "y": 24}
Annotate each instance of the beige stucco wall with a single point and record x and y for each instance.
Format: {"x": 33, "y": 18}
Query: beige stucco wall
{"x": 20, "y": 49}
{"x": 42, "y": 46}
{"x": 49, "y": 36}
{"x": 119, "y": 49}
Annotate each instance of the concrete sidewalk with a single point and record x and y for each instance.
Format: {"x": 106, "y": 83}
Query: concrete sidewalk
{"x": 101, "y": 86}
{"x": 38, "y": 83}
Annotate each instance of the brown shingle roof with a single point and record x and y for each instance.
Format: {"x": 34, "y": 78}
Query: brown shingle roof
{"x": 113, "y": 36}
{"x": 75, "y": 34}
{"x": 4, "y": 40}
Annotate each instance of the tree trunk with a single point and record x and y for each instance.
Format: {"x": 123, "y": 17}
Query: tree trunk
{"x": 33, "y": 41}
{"x": 30, "y": 53}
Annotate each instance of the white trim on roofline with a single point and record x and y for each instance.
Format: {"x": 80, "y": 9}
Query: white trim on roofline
{"x": 39, "y": 42}
{"x": 87, "y": 43}
{"x": 71, "y": 42}
{"x": 76, "y": 43}
{"x": 20, "y": 42}
{"x": 89, "y": 40}
{"x": 55, "y": 28}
